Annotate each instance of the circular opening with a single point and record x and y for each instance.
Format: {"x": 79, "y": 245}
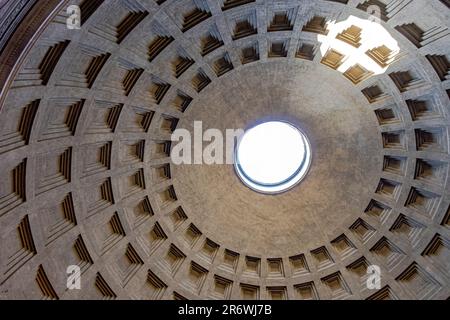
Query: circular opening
{"x": 272, "y": 157}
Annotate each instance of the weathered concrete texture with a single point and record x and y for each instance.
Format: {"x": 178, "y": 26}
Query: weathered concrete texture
{"x": 85, "y": 126}
{"x": 342, "y": 130}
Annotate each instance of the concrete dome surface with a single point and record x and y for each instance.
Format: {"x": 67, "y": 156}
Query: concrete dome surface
{"x": 92, "y": 91}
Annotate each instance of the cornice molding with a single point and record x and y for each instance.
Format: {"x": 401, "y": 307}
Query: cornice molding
{"x": 22, "y": 23}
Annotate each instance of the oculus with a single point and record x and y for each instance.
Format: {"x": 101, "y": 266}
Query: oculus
{"x": 272, "y": 157}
